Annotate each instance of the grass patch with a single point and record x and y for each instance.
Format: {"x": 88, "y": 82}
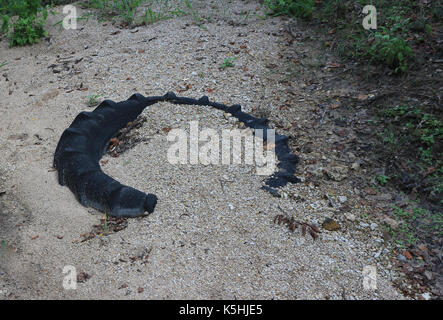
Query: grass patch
{"x": 401, "y": 26}
{"x": 409, "y": 132}
{"x": 382, "y": 179}
{"x": 301, "y": 8}
{"x": 140, "y": 12}
{"x": 108, "y": 9}
{"x": 92, "y": 100}
{"x": 413, "y": 224}
{"x": 228, "y": 62}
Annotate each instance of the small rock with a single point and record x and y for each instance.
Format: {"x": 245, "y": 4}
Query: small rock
{"x": 337, "y": 173}
{"x": 373, "y": 226}
{"x": 426, "y": 296}
{"x": 227, "y": 115}
{"x": 350, "y": 216}
{"x": 391, "y": 222}
{"x": 387, "y": 235}
{"x": 342, "y": 199}
{"x": 355, "y": 166}
{"x": 351, "y": 156}
{"x": 371, "y": 191}
{"x": 330, "y": 224}
{"x": 428, "y": 274}
{"x": 401, "y": 257}
{"x": 423, "y": 248}
{"x": 317, "y": 172}
{"x": 364, "y": 225}
{"x": 314, "y": 222}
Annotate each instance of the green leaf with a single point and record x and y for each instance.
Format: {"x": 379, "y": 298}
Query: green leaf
{"x": 400, "y": 56}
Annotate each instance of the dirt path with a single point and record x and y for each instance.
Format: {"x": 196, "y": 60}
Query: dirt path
{"x": 212, "y": 234}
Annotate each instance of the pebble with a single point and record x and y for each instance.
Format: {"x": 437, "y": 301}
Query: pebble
{"x": 426, "y": 296}
{"x": 315, "y": 223}
{"x": 337, "y": 173}
{"x": 364, "y": 225}
{"x": 429, "y": 275}
{"x": 373, "y": 226}
{"x": 342, "y": 199}
{"x": 391, "y": 222}
{"x": 350, "y": 216}
{"x": 227, "y": 115}
{"x": 318, "y": 172}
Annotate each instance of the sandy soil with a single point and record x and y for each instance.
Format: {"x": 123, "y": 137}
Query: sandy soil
{"x": 212, "y": 234}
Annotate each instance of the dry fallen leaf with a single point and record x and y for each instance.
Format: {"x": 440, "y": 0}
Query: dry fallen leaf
{"x": 82, "y": 277}
{"x": 407, "y": 254}
{"x": 334, "y": 65}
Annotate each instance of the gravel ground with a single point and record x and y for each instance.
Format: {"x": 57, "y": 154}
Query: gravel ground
{"x": 212, "y": 234}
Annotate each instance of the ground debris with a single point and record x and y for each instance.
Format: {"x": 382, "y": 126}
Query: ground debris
{"x": 109, "y": 225}
{"x": 293, "y": 224}
{"x": 127, "y": 138}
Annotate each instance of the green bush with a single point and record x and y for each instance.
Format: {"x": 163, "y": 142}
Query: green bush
{"x": 391, "y": 50}
{"x": 296, "y": 8}
{"x": 28, "y": 25}
{"x": 22, "y": 8}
